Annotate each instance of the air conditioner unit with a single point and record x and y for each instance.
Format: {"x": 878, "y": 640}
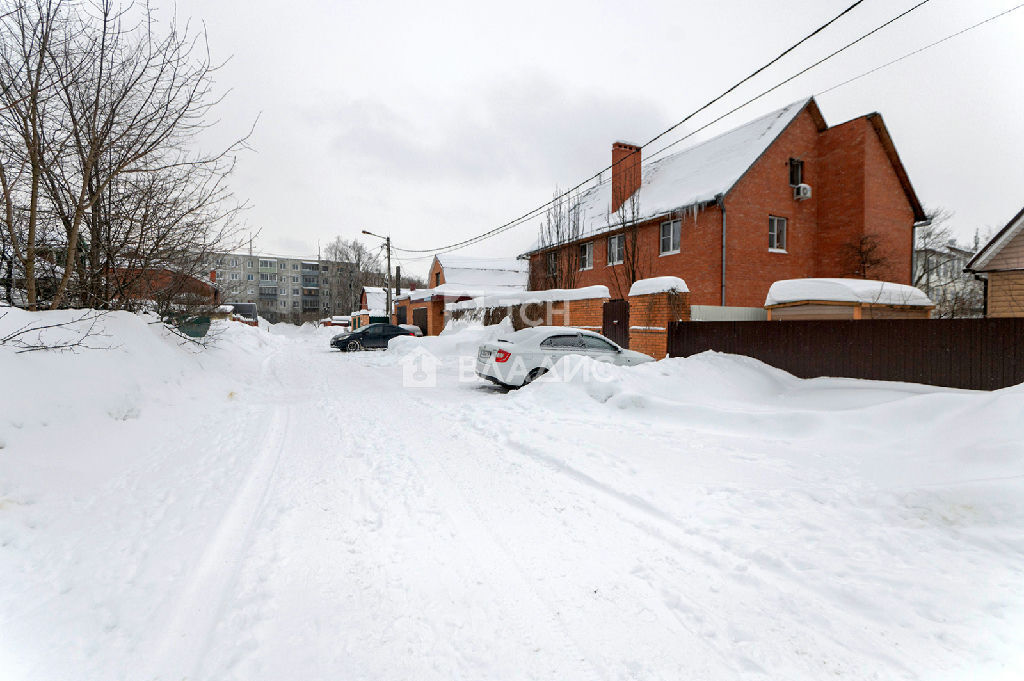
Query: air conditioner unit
{"x": 801, "y": 192}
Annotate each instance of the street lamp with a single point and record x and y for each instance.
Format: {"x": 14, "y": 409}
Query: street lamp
{"x": 387, "y": 243}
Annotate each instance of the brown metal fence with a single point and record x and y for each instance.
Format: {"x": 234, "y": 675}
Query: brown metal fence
{"x": 980, "y": 354}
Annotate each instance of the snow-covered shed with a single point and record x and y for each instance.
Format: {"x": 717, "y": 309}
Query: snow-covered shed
{"x": 483, "y": 275}
{"x": 845, "y": 299}
{"x": 458, "y": 278}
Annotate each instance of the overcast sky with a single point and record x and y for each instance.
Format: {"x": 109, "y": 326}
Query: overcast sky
{"x": 437, "y": 121}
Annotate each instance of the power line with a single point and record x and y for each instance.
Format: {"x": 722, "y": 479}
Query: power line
{"x": 922, "y": 49}
{"x": 537, "y": 211}
{"x": 530, "y": 214}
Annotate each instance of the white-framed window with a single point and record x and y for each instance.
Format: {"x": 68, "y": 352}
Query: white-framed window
{"x": 295, "y": 265}
{"x": 295, "y": 291}
{"x": 282, "y": 303}
{"x": 235, "y": 276}
{"x": 248, "y": 264}
{"x": 266, "y": 263}
{"x": 295, "y": 280}
{"x": 295, "y": 303}
{"x": 264, "y": 276}
{"x": 616, "y": 249}
{"x": 587, "y": 256}
{"x": 776, "y": 233}
{"x": 248, "y": 277}
{"x": 283, "y": 266}
{"x": 670, "y": 236}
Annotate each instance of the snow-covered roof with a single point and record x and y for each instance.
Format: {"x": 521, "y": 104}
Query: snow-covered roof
{"x": 693, "y": 176}
{"x": 997, "y": 243}
{"x": 376, "y": 297}
{"x": 845, "y": 291}
{"x": 527, "y": 297}
{"x": 645, "y": 287}
{"x": 484, "y": 273}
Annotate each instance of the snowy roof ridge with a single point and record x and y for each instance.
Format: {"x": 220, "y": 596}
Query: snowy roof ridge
{"x": 692, "y": 176}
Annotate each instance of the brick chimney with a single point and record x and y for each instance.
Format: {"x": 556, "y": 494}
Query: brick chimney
{"x": 625, "y": 172}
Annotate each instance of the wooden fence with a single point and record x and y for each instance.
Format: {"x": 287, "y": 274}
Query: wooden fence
{"x": 979, "y": 354}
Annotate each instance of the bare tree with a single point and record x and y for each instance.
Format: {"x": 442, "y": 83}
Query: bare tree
{"x": 634, "y": 265}
{"x": 939, "y": 269}
{"x": 107, "y": 112}
{"x": 559, "y": 235}
{"x": 864, "y": 257}
{"x": 360, "y": 266}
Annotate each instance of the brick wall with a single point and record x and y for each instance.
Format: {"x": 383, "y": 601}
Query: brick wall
{"x": 649, "y": 317}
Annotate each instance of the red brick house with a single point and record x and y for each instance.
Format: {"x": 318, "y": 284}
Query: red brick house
{"x": 784, "y": 196}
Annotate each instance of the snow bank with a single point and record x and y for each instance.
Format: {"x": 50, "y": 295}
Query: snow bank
{"x": 459, "y": 338}
{"x": 846, "y": 291}
{"x": 645, "y": 287}
{"x": 527, "y": 297}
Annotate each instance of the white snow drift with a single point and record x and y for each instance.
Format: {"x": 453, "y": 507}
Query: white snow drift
{"x": 271, "y": 509}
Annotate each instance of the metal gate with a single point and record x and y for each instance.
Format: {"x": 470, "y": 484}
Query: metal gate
{"x": 401, "y": 314}
{"x": 419, "y": 318}
{"x": 615, "y": 324}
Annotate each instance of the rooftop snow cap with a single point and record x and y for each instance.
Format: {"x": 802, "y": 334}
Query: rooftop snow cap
{"x": 625, "y": 172}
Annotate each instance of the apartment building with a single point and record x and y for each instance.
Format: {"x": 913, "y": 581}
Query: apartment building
{"x": 283, "y": 288}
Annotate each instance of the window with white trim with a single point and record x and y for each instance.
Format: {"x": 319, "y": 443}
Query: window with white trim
{"x": 616, "y": 249}
{"x": 670, "y": 236}
{"x": 776, "y": 233}
{"x": 587, "y": 256}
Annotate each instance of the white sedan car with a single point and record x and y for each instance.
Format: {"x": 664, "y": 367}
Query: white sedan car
{"x": 528, "y": 354}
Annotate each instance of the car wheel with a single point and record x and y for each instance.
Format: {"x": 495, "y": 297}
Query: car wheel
{"x": 354, "y": 346}
{"x": 534, "y": 375}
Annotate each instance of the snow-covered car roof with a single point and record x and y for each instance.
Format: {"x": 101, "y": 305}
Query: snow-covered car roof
{"x": 538, "y": 333}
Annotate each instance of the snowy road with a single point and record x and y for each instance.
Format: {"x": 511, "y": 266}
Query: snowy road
{"x": 308, "y": 517}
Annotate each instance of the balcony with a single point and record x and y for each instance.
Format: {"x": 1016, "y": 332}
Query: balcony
{"x": 268, "y": 292}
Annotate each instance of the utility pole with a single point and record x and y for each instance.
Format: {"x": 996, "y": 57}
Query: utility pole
{"x": 387, "y": 244}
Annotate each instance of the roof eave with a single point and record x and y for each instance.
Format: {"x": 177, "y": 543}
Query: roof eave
{"x": 894, "y": 158}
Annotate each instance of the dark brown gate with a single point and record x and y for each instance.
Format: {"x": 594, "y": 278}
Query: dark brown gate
{"x": 401, "y": 314}
{"x": 615, "y": 324}
{"x": 419, "y": 318}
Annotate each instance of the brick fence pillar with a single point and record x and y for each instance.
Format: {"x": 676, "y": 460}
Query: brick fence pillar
{"x": 649, "y": 317}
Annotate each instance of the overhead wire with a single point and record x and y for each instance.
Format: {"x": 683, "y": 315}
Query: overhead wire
{"x": 537, "y": 211}
{"x": 530, "y": 214}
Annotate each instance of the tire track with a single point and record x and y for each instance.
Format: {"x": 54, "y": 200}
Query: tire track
{"x": 187, "y": 633}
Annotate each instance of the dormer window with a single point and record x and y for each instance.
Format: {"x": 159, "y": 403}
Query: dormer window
{"x": 796, "y": 172}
